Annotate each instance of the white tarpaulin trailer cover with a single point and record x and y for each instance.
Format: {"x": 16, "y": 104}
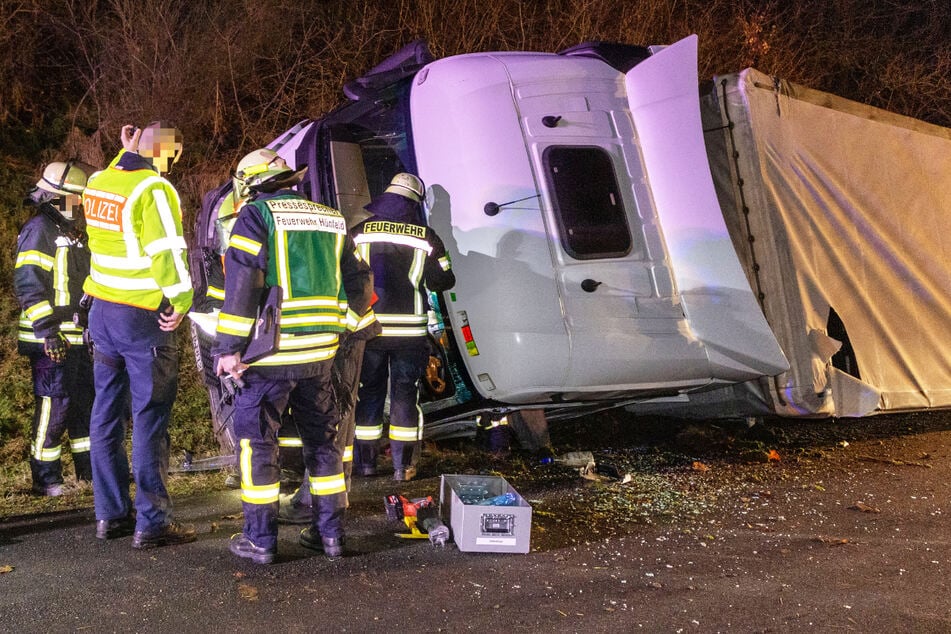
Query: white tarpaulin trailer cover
{"x": 841, "y": 216}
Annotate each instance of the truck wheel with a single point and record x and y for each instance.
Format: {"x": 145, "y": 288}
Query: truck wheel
{"x": 436, "y": 380}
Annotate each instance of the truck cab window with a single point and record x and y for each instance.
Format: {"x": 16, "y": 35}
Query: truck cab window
{"x": 587, "y": 202}
{"x": 378, "y": 131}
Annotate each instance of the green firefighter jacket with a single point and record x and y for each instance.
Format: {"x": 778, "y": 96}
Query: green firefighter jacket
{"x": 284, "y": 240}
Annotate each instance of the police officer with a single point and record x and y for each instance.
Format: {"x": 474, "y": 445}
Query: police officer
{"x": 142, "y": 289}
{"x": 405, "y": 255}
{"x": 281, "y": 239}
{"x": 51, "y": 263}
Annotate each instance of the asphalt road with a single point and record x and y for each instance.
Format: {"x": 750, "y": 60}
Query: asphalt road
{"x": 853, "y": 538}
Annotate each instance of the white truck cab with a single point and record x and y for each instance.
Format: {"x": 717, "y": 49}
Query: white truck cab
{"x": 574, "y": 196}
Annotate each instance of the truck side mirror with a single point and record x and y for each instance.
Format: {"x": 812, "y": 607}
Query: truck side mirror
{"x": 492, "y": 208}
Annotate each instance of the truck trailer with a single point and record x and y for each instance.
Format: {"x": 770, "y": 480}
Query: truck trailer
{"x": 620, "y": 242}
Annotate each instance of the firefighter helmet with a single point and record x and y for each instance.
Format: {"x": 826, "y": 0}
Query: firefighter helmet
{"x": 264, "y": 170}
{"x": 161, "y": 142}
{"x": 408, "y": 186}
{"x": 62, "y": 178}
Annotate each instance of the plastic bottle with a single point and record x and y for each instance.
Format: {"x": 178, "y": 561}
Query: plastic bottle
{"x": 571, "y": 459}
{"x": 506, "y": 499}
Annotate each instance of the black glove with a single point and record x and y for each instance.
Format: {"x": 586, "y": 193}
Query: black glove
{"x": 56, "y": 346}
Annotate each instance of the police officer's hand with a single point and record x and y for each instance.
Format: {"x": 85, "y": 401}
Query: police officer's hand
{"x": 56, "y": 346}
{"x": 169, "y": 319}
{"x": 130, "y": 138}
{"x": 231, "y": 365}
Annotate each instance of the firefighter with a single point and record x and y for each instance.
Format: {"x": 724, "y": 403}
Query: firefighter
{"x": 405, "y": 255}
{"x": 346, "y": 380}
{"x": 282, "y": 239}
{"x": 211, "y": 298}
{"x": 142, "y": 289}
{"x": 51, "y": 263}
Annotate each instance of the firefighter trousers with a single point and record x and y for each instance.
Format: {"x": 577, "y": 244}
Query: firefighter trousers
{"x": 63, "y": 393}
{"x": 346, "y": 381}
{"x": 257, "y": 418}
{"x": 401, "y": 368}
{"x": 135, "y": 366}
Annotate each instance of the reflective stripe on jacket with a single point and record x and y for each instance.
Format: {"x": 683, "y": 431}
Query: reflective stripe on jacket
{"x": 406, "y": 258}
{"x": 285, "y": 240}
{"x": 134, "y": 222}
{"x": 47, "y": 278}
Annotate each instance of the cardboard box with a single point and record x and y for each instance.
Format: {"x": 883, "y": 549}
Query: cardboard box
{"x": 483, "y": 528}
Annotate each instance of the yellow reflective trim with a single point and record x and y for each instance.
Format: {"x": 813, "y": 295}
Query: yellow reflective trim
{"x": 167, "y": 243}
{"x": 263, "y": 494}
{"x": 61, "y": 277}
{"x": 296, "y": 342}
{"x": 405, "y": 434}
{"x": 121, "y": 262}
{"x": 43, "y": 424}
{"x": 116, "y": 282}
{"x": 38, "y": 310}
{"x": 402, "y": 331}
{"x": 235, "y": 324}
{"x": 289, "y": 442}
{"x": 368, "y": 432}
{"x": 73, "y": 334}
{"x": 311, "y": 302}
{"x": 310, "y": 320}
{"x": 34, "y": 258}
{"x": 250, "y": 492}
{"x": 79, "y": 444}
{"x": 215, "y": 293}
{"x": 348, "y": 453}
{"x": 415, "y": 274}
{"x": 389, "y": 238}
{"x": 285, "y": 358}
{"x": 396, "y": 318}
{"x": 245, "y": 244}
{"x": 51, "y": 454}
{"x": 327, "y": 485}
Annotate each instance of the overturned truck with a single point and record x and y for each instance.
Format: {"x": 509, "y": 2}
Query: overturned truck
{"x": 765, "y": 249}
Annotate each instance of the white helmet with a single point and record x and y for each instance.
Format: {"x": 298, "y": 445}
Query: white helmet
{"x": 62, "y": 178}
{"x": 408, "y": 186}
{"x": 264, "y": 169}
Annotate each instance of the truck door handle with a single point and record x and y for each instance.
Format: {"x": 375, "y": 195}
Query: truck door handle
{"x": 589, "y": 285}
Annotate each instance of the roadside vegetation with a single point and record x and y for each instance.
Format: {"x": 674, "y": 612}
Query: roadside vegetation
{"x": 233, "y": 75}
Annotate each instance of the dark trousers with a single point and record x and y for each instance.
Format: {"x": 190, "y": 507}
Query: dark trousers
{"x": 257, "y": 418}
{"x": 346, "y": 381}
{"x": 401, "y": 369}
{"x": 63, "y": 393}
{"x": 136, "y": 365}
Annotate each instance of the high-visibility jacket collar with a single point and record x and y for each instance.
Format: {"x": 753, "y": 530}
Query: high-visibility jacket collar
{"x": 130, "y": 161}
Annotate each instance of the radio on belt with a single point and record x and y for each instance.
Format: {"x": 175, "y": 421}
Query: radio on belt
{"x": 485, "y": 514}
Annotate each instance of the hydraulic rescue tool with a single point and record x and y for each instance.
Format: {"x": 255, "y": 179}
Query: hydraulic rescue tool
{"x": 415, "y": 513}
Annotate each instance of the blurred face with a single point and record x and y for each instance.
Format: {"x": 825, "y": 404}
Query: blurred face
{"x": 68, "y": 205}
{"x": 162, "y": 145}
